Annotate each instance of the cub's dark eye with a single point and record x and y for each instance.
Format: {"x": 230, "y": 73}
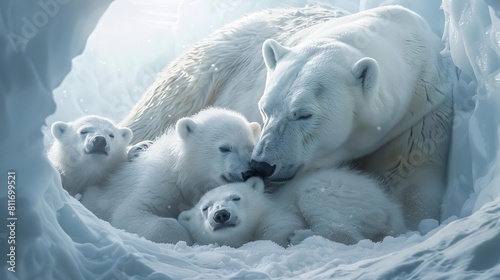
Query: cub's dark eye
{"x": 112, "y": 135}
{"x": 304, "y": 117}
{"x": 83, "y": 132}
{"x": 224, "y": 149}
{"x": 236, "y": 198}
{"x": 205, "y": 208}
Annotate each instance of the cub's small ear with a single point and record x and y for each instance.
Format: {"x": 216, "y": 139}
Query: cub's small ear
{"x": 127, "y": 134}
{"x": 184, "y": 216}
{"x": 184, "y": 127}
{"x": 58, "y": 129}
{"x": 366, "y": 70}
{"x": 256, "y": 183}
{"x": 255, "y": 127}
{"x": 272, "y": 52}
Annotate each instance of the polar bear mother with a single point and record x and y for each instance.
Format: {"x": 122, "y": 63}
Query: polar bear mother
{"x": 371, "y": 88}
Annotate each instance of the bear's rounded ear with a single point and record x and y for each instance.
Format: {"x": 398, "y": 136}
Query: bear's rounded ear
{"x": 256, "y": 183}
{"x": 184, "y": 127}
{"x": 366, "y": 70}
{"x": 127, "y": 134}
{"x": 272, "y": 51}
{"x": 58, "y": 129}
{"x": 255, "y": 127}
{"x": 184, "y": 216}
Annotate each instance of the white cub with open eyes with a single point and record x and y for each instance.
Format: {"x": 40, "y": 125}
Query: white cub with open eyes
{"x": 339, "y": 204}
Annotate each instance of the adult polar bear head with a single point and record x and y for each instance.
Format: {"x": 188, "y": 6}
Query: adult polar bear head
{"x": 310, "y": 104}
{"x": 348, "y": 87}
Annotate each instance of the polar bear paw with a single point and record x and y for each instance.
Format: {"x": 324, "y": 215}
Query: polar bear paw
{"x": 135, "y": 150}
{"x": 299, "y": 236}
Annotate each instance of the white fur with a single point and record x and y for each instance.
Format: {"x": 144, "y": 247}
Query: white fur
{"x": 73, "y": 154}
{"x": 202, "y": 152}
{"x": 338, "y": 204}
{"x": 370, "y": 87}
{"x": 102, "y": 199}
{"x": 225, "y": 69}
{"x": 353, "y": 91}
{"x": 365, "y": 87}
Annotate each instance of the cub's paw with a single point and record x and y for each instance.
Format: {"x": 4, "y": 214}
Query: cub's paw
{"x": 135, "y": 150}
{"x": 299, "y": 236}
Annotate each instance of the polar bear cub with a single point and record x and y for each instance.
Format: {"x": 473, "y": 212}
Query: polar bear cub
{"x": 86, "y": 151}
{"x": 202, "y": 152}
{"x": 339, "y": 204}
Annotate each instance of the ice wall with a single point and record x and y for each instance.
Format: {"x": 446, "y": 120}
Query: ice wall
{"x": 473, "y": 38}
{"x": 35, "y": 59}
{"x": 57, "y": 238}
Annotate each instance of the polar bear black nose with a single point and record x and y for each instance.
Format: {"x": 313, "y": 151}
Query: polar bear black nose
{"x": 221, "y": 216}
{"x": 99, "y": 142}
{"x": 262, "y": 168}
{"x": 247, "y": 174}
